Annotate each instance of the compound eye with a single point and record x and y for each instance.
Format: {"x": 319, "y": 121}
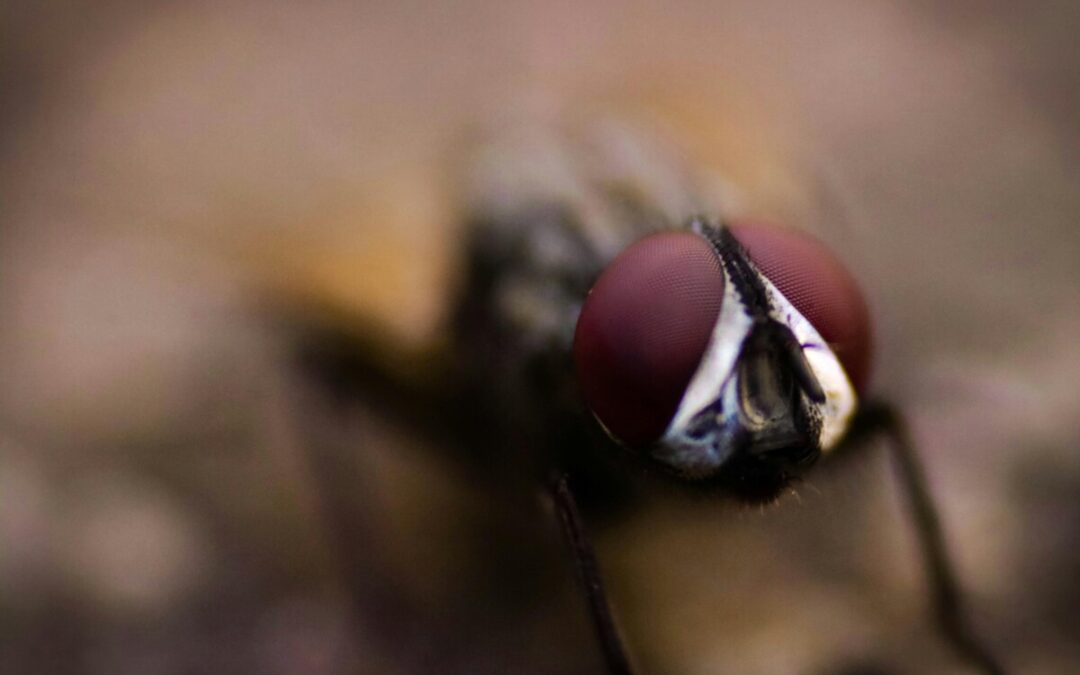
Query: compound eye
{"x": 819, "y": 286}
{"x": 643, "y": 330}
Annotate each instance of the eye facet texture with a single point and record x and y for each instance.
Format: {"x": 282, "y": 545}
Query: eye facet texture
{"x": 819, "y": 286}
{"x": 643, "y": 330}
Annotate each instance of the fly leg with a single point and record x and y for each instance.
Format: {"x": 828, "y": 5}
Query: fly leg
{"x": 877, "y": 418}
{"x": 589, "y": 575}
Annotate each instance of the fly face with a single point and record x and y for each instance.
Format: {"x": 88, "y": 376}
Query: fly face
{"x": 687, "y": 350}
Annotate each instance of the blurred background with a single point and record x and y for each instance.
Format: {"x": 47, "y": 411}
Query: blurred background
{"x": 169, "y": 171}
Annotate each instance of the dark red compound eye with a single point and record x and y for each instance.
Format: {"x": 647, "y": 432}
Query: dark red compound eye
{"x": 819, "y": 286}
{"x": 646, "y": 323}
{"x": 643, "y": 330}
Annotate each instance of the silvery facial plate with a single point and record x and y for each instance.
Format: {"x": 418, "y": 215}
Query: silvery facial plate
{"x": 768, "y": 388}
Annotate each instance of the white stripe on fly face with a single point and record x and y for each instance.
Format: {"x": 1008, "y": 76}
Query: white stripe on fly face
{"x": 840, "y": 398}
{"x": 716, "y": 381}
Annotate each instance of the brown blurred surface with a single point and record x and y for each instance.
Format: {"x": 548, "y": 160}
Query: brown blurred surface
{"x": 163, "y": 168}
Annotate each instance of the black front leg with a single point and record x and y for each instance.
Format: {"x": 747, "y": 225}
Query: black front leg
{"x": 878, "y": 418}
{"x": 589, "y": 575}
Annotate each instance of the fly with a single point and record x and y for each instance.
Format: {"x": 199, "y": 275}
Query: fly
{"x": 610, "y": 314}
